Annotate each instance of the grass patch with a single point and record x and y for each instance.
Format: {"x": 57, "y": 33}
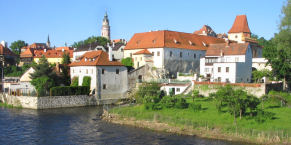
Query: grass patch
{"x": 8, "y": 105}
{"x": 210, "y": 118}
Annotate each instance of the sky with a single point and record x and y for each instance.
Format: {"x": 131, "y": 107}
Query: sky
{"x": 69, "y": 21}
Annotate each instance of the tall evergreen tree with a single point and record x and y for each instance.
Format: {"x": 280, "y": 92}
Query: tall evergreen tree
{"x": 66, "y": 60}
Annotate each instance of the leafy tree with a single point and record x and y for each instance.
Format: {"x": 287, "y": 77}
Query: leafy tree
{"x": 127, "y": 61}
{"x": 148, "y": 89}
{"x": 17, "y": 45}
{"x": 278, "y": 53}
{"x": 86, "y": 81}
{"x": 75, "y": 81}
{"x": 43, "y": 72}
{"x": 66, "y": 60}
{"x": 259, "y": 74}
{"x": 100, "y": 40}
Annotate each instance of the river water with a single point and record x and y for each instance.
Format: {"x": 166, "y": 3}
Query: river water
{"x": 81, "y": 126}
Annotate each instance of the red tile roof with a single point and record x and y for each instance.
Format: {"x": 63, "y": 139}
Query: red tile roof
{"x": 144, "y": 51}
{"x": 52, "y": 53}
{"x": 231, "y": 49}
{"x": 64, "y": 48}
{"x": 27, "y": 53}
{"x": 170, "y": 39}
{"x": 240, "y": 25}
{"x": 95, "y": 58}
{"x": 6, "y": 51}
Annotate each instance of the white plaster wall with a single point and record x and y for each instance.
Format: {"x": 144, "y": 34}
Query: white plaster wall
{"x": 81, "y": 71}
{"x": 239, "y": 39}
{"x": 231, "y": 75}
{"x": 118, "y": 54}
{"x": 260, "y": 64}
{"x": 167, "y": 89}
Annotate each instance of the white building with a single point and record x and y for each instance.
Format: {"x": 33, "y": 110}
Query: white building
{"x": 172, "y": 51}
{"x": 230, "y": 62}
{"x": 108, "y": 78}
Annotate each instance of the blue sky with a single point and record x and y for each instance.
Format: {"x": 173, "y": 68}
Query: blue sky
{"x": 74, "y": 20}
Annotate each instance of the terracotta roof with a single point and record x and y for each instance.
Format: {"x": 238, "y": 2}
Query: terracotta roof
{"x": 6, "y": 51}
{"x": 170, "y": 39}
{"x": 231, "y": 49}
{"x": 27, "y": 53}
{"x": 144, "y": 51}
{"x": 205, "y": 30}
{"x": 95, "y": 58}
{"x": 52, "y": 53}
{"x": 240, "y": 25}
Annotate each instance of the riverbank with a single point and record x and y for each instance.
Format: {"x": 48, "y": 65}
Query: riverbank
{"x": 208, "y": 123}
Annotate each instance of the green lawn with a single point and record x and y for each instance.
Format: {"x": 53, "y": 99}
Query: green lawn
{"x": 209, "y": 117}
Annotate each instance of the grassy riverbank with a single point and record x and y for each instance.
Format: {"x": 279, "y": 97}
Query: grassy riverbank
{"x": 216, "y": 124}
{"x": 8, "y": 105}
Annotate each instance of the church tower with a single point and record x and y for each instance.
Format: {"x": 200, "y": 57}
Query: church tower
{"x": 105, "y": 31}
{"x": 240, "y": 30}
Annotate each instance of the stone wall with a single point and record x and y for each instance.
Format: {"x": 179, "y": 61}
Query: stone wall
{"x": 47, "y": 102}
{"x": 205, "y": 88}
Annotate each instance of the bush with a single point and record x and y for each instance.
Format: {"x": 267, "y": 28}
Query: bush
{"x": 181, "y": 103}
{"x": 152, "y": 103}
{"x": 168, "y": 102}
{"x": 86, "y": 81}
{"x": 195, "y": 107}
{"x": 262, "y": 116}
{"x": 69, "y": 90}
{"x": 75, "y": 81}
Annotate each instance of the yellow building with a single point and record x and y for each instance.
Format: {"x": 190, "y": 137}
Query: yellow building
{"x": 53, "y": 56}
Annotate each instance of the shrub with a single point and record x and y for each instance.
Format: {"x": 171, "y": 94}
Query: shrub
{"x": 181, "y": 103}
{"x": 75, "y": 81}
{"x": 69, "y": 90}
{"x": 86, "y": 81}
{"x": 195, "y": 107}
{"x": 262, "y": 116}
{"x": 168, "y": 102}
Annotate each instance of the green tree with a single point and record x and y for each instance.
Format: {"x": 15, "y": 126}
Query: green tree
{"x": 86, "y": 81}
{"x": 17, "y": 45}
{"x": 75, "y": 81}
{"x": 90, "y": 40}
{"x": 127, "y": 61}
{"x": 259, "y": 74}
{"x": 66, "y": 60}
{"x": 43, "y": 72}
{"x": 278, "y": 53}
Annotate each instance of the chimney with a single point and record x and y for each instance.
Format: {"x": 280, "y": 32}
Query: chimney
{"x": 110, "y": 53}
{"x": 221, "y": 52}
{"x": 227, "y": 42}
{"x": 63, "y": 49}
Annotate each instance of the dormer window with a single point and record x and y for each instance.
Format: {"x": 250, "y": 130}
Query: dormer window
{"x": 175, "y": 41}
{"x": 154, "y": 41}
{"x": 204, "y": 44}
{"x": 85, "y": 59}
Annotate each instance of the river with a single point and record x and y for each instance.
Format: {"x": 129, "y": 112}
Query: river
{"x": 81, "y": 126}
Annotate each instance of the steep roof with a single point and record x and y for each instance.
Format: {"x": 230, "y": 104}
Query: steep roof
{"x": 6, "y": 51}
{"x": 170, "y": 39}
{"x": 27, "y": 53}
{"x": 95, "y": 58}
{"x": 240, "y": 25}
{"x": 144, "y": 51}
{"x": 231, "y": 49}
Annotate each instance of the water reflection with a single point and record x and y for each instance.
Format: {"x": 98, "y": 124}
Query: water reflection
{"x": 80, "y": 126}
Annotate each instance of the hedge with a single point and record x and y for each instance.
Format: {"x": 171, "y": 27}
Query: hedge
{"x": 69, "y": 90}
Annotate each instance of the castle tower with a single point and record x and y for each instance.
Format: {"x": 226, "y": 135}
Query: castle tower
{"x": 240, "y": 29}
{"x": 48, "y": 43}
{"x": 105, "y": 31}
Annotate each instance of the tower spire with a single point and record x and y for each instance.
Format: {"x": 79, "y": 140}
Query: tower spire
{"x": 48, "y": 43}
{"x": 105, "y": 30}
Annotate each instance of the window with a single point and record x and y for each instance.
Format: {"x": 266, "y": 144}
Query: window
{"x": 104, "y": 86}
{"x": 86, "y": 71}
{"x": 181, "y": 54}
{"x": 236, "y": 59}
{"x": 188, "y": 54}
{"x": 194, "y": 55}
{"x": 235, "y": 36}
{"x": 140, "y": 58}
{"x": 73, "y": 70}
{"x": 153, "y": 53}
{"x": 117, "y": 71}
{"x": 103, "y": 71}
{"x": 219, "y": 79}
{"x": 158, "y": 53}
{"x": 219, "y": 69}
{"x": 178, "y": 89}
{"x": 227, "y": 80}
{"x": 227, "y": 69}
{"x": 121, "y": 50}
{"x": 171, "y": 53}
{"x": 130, "y": 54}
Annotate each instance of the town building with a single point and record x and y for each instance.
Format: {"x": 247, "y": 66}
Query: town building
{"x": 7, "y": 57}
{"x": 53, "y": 56}
{"x": 108, "y": 78}
{"x": 228, "y": 62}
{"x": 172, "y": 51}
